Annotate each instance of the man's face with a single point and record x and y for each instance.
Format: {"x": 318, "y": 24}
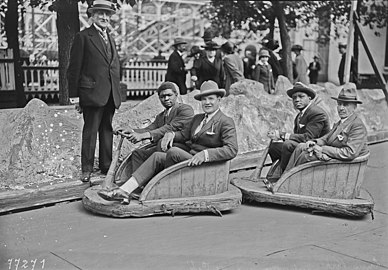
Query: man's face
{"x": 345, "y": 109}
{"x": 300, "y": 100}
{"x": 101, "y": 18}
{"x": 181, "y": 47}
{"x": 210, "y": 103}
{"x": 167, "y": 98}
{"x": 210, "y": 53}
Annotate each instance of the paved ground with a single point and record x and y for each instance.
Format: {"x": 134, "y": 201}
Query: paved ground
{"x": 66, "y": 236}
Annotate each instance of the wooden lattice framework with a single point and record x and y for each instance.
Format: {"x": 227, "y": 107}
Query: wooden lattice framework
{"x": 141, "y": 32}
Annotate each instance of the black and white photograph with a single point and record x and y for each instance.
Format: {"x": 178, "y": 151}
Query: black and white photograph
{"x": 193, "y": 134}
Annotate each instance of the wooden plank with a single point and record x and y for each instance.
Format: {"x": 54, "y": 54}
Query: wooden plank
{"x": 222, "y": 180}
{"x": 199, "y": 183}
{"x": 330, "y": 181}
{"x": 175, "y": 185}
{"x": 306, "y": 183}
{"x": 210, "y": 180}
{"x": 294, "y": 184}
{"x": 188, "y": 183}
{"x": 353, "y": 176}
{"x": 318, "y": 181}
{"x": 342, "y": 177}
{"x": 360, "y": 180}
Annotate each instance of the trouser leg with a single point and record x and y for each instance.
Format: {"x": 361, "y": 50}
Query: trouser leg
{"x": 175, "y": 155}
{"x": 287, "y": 148}
{"x": 275, "y": 150}
{"x": 92, "y": 119}
{"x": 153, "y": 165}
{"x": 105, "y": 133}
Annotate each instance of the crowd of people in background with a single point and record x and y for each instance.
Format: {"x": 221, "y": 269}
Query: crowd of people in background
{"x": 223, "y": 64}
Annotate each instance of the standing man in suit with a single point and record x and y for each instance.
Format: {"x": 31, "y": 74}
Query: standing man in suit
{"x": 94, "y": 86}
{"x": 311, "y": 122}
{"x": 347, "y": 139}
{"x": 176, "y": 71}
{"x": 210, "y": 136}
{"x": 233, "y": 65}
{"x": 341, "y": 69}
{"x": 174, "y": 117}
{"x": 314, "y": 68}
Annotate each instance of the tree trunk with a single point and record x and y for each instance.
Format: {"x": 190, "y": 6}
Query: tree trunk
{"x": 11, "y": 29}
{"x": 67, "y": 26}
{"x": 285, "y": 39}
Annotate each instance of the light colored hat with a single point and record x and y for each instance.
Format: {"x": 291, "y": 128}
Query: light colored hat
{"x": 178, "y": 41}
{"x": 264, "y": 53}
{"x": 102, "y": 5}
{"x": 348, "y": 94}
{"x": 300, "y": 87}
{"x": 209, "y": 88}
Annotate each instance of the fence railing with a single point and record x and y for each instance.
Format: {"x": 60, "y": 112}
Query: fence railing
{"x": 141, "y": 78}
{"x": 7, "y": 76}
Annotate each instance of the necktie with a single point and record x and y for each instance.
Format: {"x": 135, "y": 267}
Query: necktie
{"x": 104, "y": 36}
{"x": 202, "y": 124}
{"x": 165, "y": 115}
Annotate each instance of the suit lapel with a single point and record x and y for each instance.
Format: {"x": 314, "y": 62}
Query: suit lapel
{"x": 211, "y": 122}
{"x": 340, "y": 127}
{"x": 97, "y": 41}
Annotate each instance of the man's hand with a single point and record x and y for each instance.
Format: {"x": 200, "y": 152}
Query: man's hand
{"x": 78, "y": 107}
{"x": 274, "y": 135}
{"x": 197, "y": 159}
{"x": 194, "y": 78}
{"x": 135, "y": 137}
{"x": 167, "y": 141}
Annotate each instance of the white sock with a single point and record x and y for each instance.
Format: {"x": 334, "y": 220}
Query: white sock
{"x": 130, "y": 185}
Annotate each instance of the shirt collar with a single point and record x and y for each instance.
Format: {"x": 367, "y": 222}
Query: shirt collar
{"x": 304, "y": 110}
{"x": 210, "y": 116}
{"x": 99, "y": 29}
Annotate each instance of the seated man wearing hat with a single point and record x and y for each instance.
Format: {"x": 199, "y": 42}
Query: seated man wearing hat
{"x": 311, "y": 122}
{"x": 210, "y": 136}
{"x": 173, "y": 118}
{"x": 176, "y": 70}
{"x": 345, "y": 141}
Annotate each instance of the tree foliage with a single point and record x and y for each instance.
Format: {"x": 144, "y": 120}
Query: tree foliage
{"x": 227, "y": 16}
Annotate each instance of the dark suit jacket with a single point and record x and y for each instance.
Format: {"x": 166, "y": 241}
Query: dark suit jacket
{"x": 218, "y": 136}
{"x": 234, "y": 69}
{"x": 205, "y": 70}
{"x": 176, "y": 71}
{"x": 91, "y": 75}
{"x": 314, "y": 123}
{"x": 179, "y": 116}
{"x": 345, "y": 141}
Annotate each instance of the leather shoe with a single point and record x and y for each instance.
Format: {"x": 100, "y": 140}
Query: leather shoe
{"x": 85, "y": 177}
{"x": 114, "y": 195}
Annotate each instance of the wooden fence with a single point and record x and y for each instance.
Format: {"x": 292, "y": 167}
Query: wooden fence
{"x": 141, "y": 78}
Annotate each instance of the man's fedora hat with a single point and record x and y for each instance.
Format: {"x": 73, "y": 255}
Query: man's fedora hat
{"x": 209, "y": 88}
{"x": 296, "y": 47}
{"x": 178, "y": 41}
{"x": 211, "y": 46}
{"x": 348, "y": 94}
{"x": 300, "y": 87}
{"x": 264, "y": 53}
{"x": 102, "y": 5}
{"x": 228, "y": 47}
